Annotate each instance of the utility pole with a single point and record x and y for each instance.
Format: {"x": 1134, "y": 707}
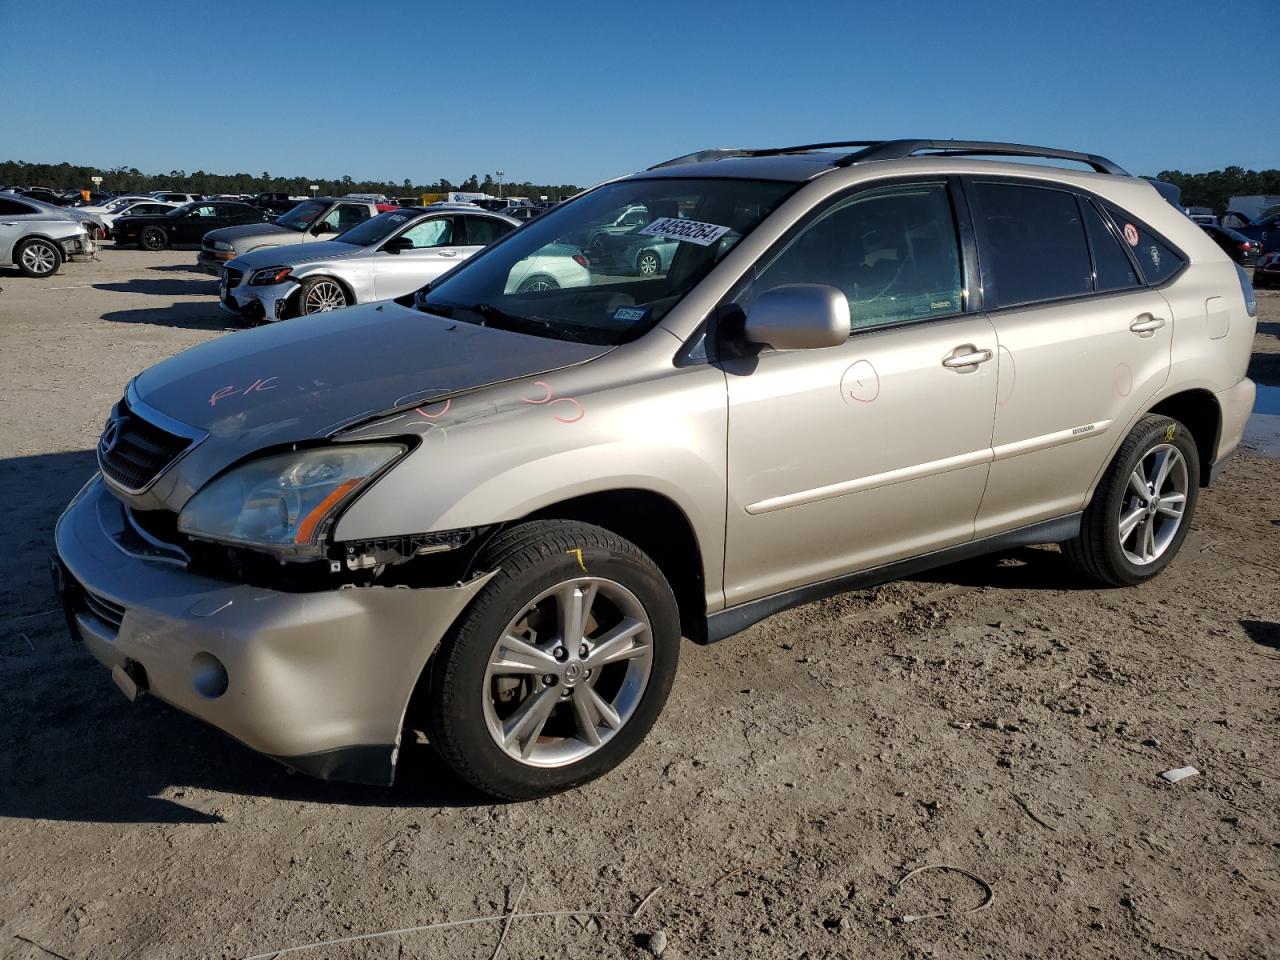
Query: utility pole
{"x": 499, "y": 184}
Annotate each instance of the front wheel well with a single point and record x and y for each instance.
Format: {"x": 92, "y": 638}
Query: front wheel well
{"x": 657, "y": 526}
{"x": 295, "y": 296}
{"x": 1198, "y": 411}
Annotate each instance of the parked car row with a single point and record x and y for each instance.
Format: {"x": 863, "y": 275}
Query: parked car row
{"x": 38, "y": 238}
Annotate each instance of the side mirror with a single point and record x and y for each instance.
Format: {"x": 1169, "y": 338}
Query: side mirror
{"x": 801, "y": 316}
{"x": 320, "y": 228}
{"x": 396, "y": 244}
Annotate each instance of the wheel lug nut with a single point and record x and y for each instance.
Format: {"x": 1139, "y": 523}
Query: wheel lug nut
{"x": 549, "y": 680}
{"x": 560, "y": 653}
{"x": 582, "y": 650}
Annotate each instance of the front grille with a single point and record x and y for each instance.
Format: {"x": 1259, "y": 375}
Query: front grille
{"x": 132, "y": 452}
{"x": 104, "y": 609}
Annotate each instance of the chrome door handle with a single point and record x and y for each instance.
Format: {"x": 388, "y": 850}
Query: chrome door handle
{"x": 1146, "y": 324}
{"x": 971, "y": 357}
{"x": 448, "y": 253}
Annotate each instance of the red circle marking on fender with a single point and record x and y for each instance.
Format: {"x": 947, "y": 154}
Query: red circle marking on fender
{"x": 545, "y": 386}
{"x": 1131, "y": 234}
{"x": 435, "y": 416}
{"x": 860, "y": 383}
{"x": 581, "y": 412}
{"x": 1124, "y": 379}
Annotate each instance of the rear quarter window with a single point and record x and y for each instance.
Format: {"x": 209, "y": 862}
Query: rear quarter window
{"x": 1156, "y": 259}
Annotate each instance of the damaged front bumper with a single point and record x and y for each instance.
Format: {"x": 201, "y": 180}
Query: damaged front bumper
{"x": 260, "y": 304}
{"x": 319, "y": 681}
{"x": 78, "y": 248}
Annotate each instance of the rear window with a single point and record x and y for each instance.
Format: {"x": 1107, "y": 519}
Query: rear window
{"x": 1157, "y": 260}
{"x": 1112, "y": 267}
{"x": 1033, "y": 244}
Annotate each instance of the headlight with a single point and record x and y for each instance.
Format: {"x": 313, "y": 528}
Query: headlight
{"x": 222, "y": 245}
{"x": 283, "y": 503}
{"x": 269, "y": 275}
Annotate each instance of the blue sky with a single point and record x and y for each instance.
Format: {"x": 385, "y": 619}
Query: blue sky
{"x": 576, "y": 92}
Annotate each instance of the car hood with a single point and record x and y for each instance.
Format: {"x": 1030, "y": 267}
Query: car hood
{"x": 263, "y": 230}
{"x": 296, "y": 253}
{"x": 310, "y": 377}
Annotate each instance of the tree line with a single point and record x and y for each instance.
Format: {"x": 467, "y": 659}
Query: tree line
{"x": 1215, "y": 188}
{"x": 68, "y": 176}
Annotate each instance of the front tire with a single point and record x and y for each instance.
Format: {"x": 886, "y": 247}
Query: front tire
{"x": 320, "y": 295}
{"x": 153, "y": 238}
{"x": 38, "y": 257}
{"x": 559, "y": 667}
{"x": 648, "y": 264}
{"x": 1142, "y": 510}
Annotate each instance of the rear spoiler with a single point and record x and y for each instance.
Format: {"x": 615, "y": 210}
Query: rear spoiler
{"x": 1170, "y": 191}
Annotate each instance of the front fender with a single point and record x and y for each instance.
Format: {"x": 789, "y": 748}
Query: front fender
{"x": 505, "y": 452}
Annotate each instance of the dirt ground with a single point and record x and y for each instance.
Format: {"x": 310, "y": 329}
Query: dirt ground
{"x": 997, "y": 716}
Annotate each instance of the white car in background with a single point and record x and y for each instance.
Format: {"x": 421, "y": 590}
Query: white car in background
{"x": 387, "y": 256}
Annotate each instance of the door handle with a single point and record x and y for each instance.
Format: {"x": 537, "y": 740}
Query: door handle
{"x": 966, "y": 356}
{"x": 1146, "y": 324}
{"x": 448, "y": 253}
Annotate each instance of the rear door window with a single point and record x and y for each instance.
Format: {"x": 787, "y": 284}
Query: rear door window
{"x": 1157, "y": 260}
{"x": 482, "y": 231}
{"x": 1113, "y": 270}
{"x": 1032, "y": 244}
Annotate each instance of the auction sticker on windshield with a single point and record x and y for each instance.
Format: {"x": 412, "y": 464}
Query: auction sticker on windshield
{"x": 691, "y": 231}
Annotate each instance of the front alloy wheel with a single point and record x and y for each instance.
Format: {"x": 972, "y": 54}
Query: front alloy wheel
{"x": 322, "y": 295}
{"x": 559, "y": 667}
{"x": 568, "y": 672}
{"x": 38, "y": 258}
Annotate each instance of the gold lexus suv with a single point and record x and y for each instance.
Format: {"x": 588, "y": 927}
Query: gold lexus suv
{"x": 491, "y": 509}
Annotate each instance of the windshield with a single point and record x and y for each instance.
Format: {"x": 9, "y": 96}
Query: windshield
{"x": 302, "y": 216}
{"x": 376, "y": 229}
{"x": 607, "y": 267}
{"x": 181, "y": 211}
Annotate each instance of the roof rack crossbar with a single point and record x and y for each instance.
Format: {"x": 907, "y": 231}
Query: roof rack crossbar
{"x": 902, "y": 149}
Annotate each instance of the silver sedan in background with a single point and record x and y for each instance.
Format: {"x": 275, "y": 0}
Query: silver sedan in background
{"x": 387, "y": 256}
{"x": 38, "y": 238}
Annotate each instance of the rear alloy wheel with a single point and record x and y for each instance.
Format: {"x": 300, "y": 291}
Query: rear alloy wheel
{"x": 320, "y": 295}
{"x": 538, "y": 284}
{"x": 153, "y": 238}
{"x": 648, "y": 264}
{"x": 38, "y": 257}
{"x": 1141, "y": 512}
{"x": 559, "y": 667}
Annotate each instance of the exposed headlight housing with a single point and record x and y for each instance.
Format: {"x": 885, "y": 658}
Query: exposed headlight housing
{"x": 222, "y": 245}
{"x": 284, "y": 504}
{"x": 269, "y": 275}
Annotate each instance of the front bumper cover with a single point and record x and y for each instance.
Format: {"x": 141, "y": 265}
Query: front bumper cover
{"x": 319, "y": 681}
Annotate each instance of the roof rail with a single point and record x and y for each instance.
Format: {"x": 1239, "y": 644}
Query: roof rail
{"x": 724, "y": 153}
{"x": 902, "y": 149}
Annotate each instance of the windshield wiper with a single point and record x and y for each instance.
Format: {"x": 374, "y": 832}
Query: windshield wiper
{"x": 491, "y": 316}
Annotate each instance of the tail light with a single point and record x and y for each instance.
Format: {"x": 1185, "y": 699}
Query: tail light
{"x": 580, "y": 260}
{"x": 1246, "y": 245}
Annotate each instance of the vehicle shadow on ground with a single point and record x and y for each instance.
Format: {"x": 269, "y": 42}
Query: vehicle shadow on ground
{"x": 181, "y": 269}
{"x": 204, "y": 285}
{"x": 1020, "y": 568}
{"x": 75, "y": 749}
{"x": 1262, "y": 632}
{"x": 191, "y": 316}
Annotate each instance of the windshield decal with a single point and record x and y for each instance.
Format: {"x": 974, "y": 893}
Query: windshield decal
{"x": 690, "y": 231}
{"x": 630, "y": 314}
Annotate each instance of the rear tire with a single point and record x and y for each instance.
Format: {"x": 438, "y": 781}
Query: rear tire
{"x": 37, "y": 257}
{"x": 538, "y": 284}
{"x": 1129, "y": 533}
{"x": 648, "y": 264}
{"x": 153, "y": 238}
{"x": 526, "y": 695}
